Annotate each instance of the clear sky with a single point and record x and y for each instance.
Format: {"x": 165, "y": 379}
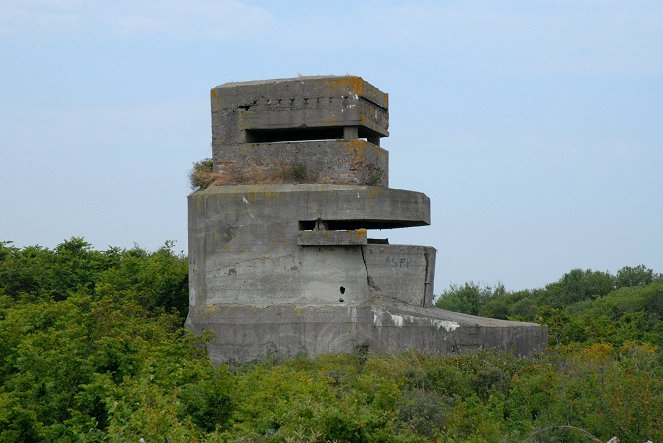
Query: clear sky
{"x": 535, "y": 126}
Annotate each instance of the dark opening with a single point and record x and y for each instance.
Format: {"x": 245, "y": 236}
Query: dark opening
{"x": 349, "y": 225}
{"x": 304, "y": 134}
{"x": 377, "y": 241}
{"x": 288, "y": 135}
{"x": 342, "y": 290}
{"x": 307, "y": 225}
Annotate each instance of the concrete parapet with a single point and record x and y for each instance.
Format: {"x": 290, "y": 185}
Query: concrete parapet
{"x": 303, "y": 108}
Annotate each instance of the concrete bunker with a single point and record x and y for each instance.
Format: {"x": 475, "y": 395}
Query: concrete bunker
{"x": 278, "y": 268}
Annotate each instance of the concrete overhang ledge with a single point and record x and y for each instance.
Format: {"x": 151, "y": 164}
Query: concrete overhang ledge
{"x": 370, "y": 207}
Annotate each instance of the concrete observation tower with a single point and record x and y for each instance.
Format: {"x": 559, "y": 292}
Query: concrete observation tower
{"x": 280, "y": 260}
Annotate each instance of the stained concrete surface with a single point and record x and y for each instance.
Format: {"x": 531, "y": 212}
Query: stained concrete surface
{"x": 283, "y": 269}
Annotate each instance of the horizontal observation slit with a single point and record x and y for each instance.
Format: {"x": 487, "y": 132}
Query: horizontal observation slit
{"x": 296, "y": 134}
{"x": 348, "y": 225}
{"x": 311, "y": 134}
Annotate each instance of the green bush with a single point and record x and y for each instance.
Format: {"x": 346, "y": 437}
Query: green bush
{"x": 201, "y": 175}
{"x": 582, "y": 306}
{"x": 207, "y": 403}
{"x": 157, "y": 280}
{"x": 296, "y": 173}
{"x": 96, "y": 354}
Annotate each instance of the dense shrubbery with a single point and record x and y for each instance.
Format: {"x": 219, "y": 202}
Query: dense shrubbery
{"x": 92, "y": 349}
{"x": 582, "y": 307}
{"x": 158, "y": 281}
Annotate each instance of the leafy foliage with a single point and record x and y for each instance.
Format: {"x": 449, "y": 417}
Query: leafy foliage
{"x": 92, "y": 349}
{"x": 469, "y": 297}
{"x": 158, "y": 280}
{"x": 583, "y": 306}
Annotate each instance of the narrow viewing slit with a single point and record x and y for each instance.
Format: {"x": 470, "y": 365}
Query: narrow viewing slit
{"x": 287, "y": 135}
{"x": 350, "y": 225}
{"x": 309, "y": 134}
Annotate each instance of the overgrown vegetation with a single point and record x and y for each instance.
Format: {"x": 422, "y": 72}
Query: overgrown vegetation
{"x": 202, "y": 174}
{"x": 295, "y": 173}
{"x": 376, "y": 177}
{"x": 92, "y": 349}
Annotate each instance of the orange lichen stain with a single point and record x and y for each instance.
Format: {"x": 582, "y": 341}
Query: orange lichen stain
{"x": 349, "y": 85}
{"x": 298, "y": 310}
{"x": 371, "y": 193}
{"x": 354, "y": 85}
{"x": 213, "y": 93}
{"x": 357, "y": 85}
{"x": 361, "y": 234}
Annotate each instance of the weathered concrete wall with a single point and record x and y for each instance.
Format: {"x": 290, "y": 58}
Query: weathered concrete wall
{"x": 243, "y": 241}
{"x": 305, "y": 102}
{"x": 262, "y": 293}
{"x": 252, "y": 332}
{"x": 348, "y": 162}
{"x": 401, "y": 272}
{"x": 332, "y": 238}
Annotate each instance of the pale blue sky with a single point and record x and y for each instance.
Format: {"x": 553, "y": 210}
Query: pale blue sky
{"x": 535, "y": 127}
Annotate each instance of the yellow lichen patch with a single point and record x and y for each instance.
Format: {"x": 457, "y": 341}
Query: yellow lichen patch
{"x": 357, "y": 148}
{"x": 331, "y": 121}
{"x": 213, "y": 93}
{"x": 241, "y": 121}
{"x": 213, "y": 309}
